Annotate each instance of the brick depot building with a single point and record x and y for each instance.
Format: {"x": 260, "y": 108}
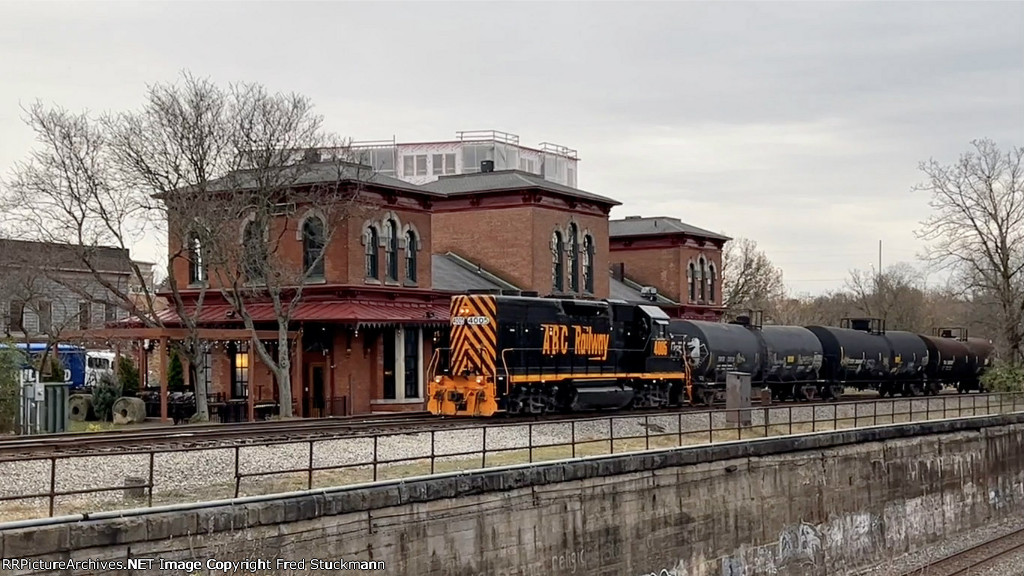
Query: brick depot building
{"x": 369, "y": 325}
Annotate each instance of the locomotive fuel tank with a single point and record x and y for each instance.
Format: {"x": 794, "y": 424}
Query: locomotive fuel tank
{"x": 715, "y": 349}
{"x": 791, "y": 354}
{"x": 853, "y": 356}
{"x": 948, "y": 359}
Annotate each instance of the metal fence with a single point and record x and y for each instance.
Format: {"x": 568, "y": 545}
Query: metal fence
{"x": 89, "y": 483}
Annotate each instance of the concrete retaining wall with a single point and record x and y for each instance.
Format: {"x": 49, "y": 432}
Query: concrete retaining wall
{"x": 815, "y": 504}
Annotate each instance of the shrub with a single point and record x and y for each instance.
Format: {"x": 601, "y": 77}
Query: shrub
{"x": 128, "y": 375}
{"x": 103, "y": 397}
{"x": 1004, "y": 377}
{"x": 175, "y": 375}
{"x": 10, "y": 388}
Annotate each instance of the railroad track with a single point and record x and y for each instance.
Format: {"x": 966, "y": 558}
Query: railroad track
{"x": 975, "y": 558}
{"x": 248, "y": 433}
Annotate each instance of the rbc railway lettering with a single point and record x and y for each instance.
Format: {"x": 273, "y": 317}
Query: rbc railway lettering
{"x": 585, "y": 341}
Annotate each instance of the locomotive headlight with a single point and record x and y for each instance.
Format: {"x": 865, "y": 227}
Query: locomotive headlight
{"x": 437, "y": 379}
{"x": 479, "y": 379}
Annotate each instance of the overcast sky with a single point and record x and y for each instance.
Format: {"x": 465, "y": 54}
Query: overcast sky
{"x": 800, "y": 125}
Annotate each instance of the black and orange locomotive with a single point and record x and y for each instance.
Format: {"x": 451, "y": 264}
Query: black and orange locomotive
{"x": 519, "y": 353}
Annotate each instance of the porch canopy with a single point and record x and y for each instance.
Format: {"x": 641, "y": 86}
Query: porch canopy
{"x": 348, "y": 311}
{"x": 164, "y": 336}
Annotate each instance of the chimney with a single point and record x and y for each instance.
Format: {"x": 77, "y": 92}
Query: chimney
{"x": 487, "y": 166}
{"x": 619, "y": 271}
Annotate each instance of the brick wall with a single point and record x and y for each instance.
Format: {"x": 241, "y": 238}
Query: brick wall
{"x": 515, "y": 243}
{"x": 664, "y": 265}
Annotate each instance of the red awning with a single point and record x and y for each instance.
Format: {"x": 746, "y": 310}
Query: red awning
{"x": 363, "y": 313}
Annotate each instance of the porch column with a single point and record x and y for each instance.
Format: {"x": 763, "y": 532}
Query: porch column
{"x": 297, "y": 384}
{"x": 163, "y": 378}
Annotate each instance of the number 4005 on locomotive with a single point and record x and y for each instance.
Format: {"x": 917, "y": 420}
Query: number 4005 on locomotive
{"x": 525, "y": 354}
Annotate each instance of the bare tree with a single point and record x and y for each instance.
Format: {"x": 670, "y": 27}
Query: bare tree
{"x": 896, "y": 296}
{"x": 977, "y": 230}
{"x": 749, "y": 278}
{"x": 289, "y": 164}
{"x": 92, "y": 185}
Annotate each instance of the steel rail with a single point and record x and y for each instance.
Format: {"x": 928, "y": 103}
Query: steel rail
{"x": 972, "y": 559}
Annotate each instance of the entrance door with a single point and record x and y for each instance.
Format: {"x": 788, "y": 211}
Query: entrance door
{"x": 315, "y": 381}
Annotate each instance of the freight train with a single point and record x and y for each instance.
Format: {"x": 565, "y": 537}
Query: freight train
{"x": 519, "y": 353}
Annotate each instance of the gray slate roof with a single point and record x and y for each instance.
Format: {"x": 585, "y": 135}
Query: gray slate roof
{"x": 452, "y": 273}
{"x": 319, "y": 173}
{"x": 635, "y": 226}
{"x": 629, "y": 291}
{"x": 70, "y": 257}
{"x": 506, "y": 180}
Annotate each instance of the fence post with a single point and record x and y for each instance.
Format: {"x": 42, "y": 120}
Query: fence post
{"x": 944, "y": 404}
{"x": 711, "y": 427}
{"x": 238, "y": 479}
{"x": 310, "y": 482}
{"x": 647, "y": 432}
{"x": 152, "y": 457}
{"x": 790, "y": 407}
{"x": 531, "y": 441}
{"x": 375, "y": 437}
{"x": 611, "y": 436}
{"x": 680, "y": 429}
{"x": 433, "y": 448}
{"x": 814, "y": 418}
{"x": 53, "y": 482}
{"x": 573, "y": 439}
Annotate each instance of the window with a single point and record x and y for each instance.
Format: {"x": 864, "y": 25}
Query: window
{"x": 711, "y": 283}
{"x": 410, "y": 256}
{"x": 313, "y": 247}
{"x": 372, "y": 252}
{"x": 255, "y": 256}
{"x": 443, "y": 164}
{"x": 574, "y": 259}
{"x": 588, "y": 264}
{"x": 44, "y": 311}
{"x": 557, "y": 270}
{"x": 84, "y": 315}
{"x": 692, "y": 276}
{"x": 700, "y": 277}
{"x": 240, "y": 371}
{"x": 390, "y": 392}
{"x": 196, "y": 272}
{"x": 412, "y": 362}
{"x": 109, "y": 312}
{"x": 391, "y": 248}
{"x": 207, "y": 375}
{"x": 17, "y": 321}
{"x": 414, "y": 165}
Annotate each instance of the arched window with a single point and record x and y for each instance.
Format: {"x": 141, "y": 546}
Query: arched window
{"x": 391, "y": 248}
{"x": 313, "y": 247}
{"x": 711, "y": 283}
{"x": 574, "y": 259}
{"x": 196, "y": 267}
{"x": 255, "y": 253}
{"x": 701, "y": 277}
{"x": 693, "y": 282}
{"x": 557, "y": 270}
{"x": 588, "y": 263}
{"x": 372, "y": 252}
{"x": 410, "y": 256}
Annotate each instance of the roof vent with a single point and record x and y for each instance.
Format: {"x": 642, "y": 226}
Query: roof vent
{"x": 632, "y": 217}
{"x": 487, "y": 166}
{"x": 649, "y": 293}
